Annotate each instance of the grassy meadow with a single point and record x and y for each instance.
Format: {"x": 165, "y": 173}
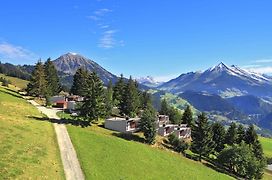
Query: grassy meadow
{"x": 267, "y": 146}
{"x": 28, "y": 147}
{"x": 104, "y": 155}
{"x": 19, "y": 83}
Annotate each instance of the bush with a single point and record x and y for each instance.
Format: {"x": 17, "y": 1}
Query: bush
{"x": 179, "y": 145}
{"x": 241, "y": 160}
{"x": 4, "y": 81}
{"x": 269, "y": 160}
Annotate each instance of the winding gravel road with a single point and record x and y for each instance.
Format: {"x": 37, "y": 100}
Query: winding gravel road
{"x": 69, "y": 158}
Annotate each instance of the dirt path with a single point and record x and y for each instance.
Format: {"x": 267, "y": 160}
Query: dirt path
{"x": 68, "y": 154}
{"x": 269, "y": 167}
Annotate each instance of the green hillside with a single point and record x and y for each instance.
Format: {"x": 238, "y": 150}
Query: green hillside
{"x": 171, "y": 99}
{"x": 103, "y": 155}
{"x": 28, "y": 147}
{"x": 267, "y": 146}
{"x": 20, "y": 83}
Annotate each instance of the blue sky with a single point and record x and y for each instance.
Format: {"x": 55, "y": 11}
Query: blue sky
{"x": 138, "y": 37}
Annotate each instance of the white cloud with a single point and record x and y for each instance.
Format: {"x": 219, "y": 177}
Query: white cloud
{"x": 107, "y": 40}
{"x": 98, "y": 14}
{"x": 263, "y": 61}
{"x": 104, "y": 26}
{"x": 251, "y": 66}
{"x": 102, "y": 12}
{"x": 95, "y": 18}
{"x": 13, "y": 52}
{"x": 261, "y": 70}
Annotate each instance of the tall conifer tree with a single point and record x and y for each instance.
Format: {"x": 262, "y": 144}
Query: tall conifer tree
{"x": 38, "y": 83}
{"x": 187, "y": 117}
{"x": 80, "y": 82}
{"x": 164, "y": 107}
{"x": 147, "y": 124}
{"x": 218, "y": 136}
{"x": 251, "y": 136}
{"x": 93, "y": 106}
{"x": 240, "y": 134}
{"x": 202, "y": 142}
{"x": 51, "y": 76}
{"x": 131, "y": 99}
{"x": 231, "y": 135}
{"x": 109, "y": 99}
{"x": 119, "y": 93}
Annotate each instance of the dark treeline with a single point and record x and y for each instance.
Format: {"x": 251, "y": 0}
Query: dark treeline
{"x": 44, "y": 81}
{"x": 22, "y": 72}
{"x": 236, "y": 149}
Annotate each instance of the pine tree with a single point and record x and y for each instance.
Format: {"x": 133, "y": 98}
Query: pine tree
{"x": 251, "y": 136}
{"x": 119, "y": 94}
{"x": 51, "y": 76}
{"x": 164, "y": 107}
{"x": 240, "y": 134}
{"x": 187, "y": 117}
{"x": 38, "y": 83}
{"x": 202, "y": 142}
{"x": 80, "y": 82}
{"x": 258, "y": 149}
{"x": 219, "y": 133}
{"x": 131, "y": 99}
{"x": 174, "y": 115}
{"x": 231, "y": 135}
{"x": 109, "y": 99}
{"x": 145, "y": 99}
{"x": 147, "y": 124}
{"x": 93, "y": 106}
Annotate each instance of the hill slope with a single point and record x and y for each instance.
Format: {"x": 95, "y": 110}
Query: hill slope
{"x": 250, "y": 104}
{"x": 20, "y": 83}
{"x": 28, "y": 147}
{"x": 103, "y": 155}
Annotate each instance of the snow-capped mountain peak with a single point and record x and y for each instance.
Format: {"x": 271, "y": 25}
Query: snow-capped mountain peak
{"x": 222, "y": 79}
{"x": 220, "y": 67}
{"x": 148, "y": 81}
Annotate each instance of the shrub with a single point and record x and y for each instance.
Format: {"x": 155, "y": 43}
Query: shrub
{"x": 179, "y": 145}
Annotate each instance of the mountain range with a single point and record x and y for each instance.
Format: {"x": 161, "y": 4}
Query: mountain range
{"x": 227, "y": 91}
{"x": 223, "y": 80}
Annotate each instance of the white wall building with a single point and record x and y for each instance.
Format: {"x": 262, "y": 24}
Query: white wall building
{"x": 181, "y": 131}
{"x": 124, "y": 125}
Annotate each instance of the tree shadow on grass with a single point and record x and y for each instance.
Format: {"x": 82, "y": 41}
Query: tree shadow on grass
{"x": 11, "y": 92}
{"x": 220, "y": 169}
{"x": 129, "y": 137}
{"x": 74, "y": 122}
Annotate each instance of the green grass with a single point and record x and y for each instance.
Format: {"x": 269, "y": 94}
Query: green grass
{"x": 20, "y": 83}
{"x": 267, "y": 146}
{"x": 105, "y": 156}
{"x": 28, "y": 147}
